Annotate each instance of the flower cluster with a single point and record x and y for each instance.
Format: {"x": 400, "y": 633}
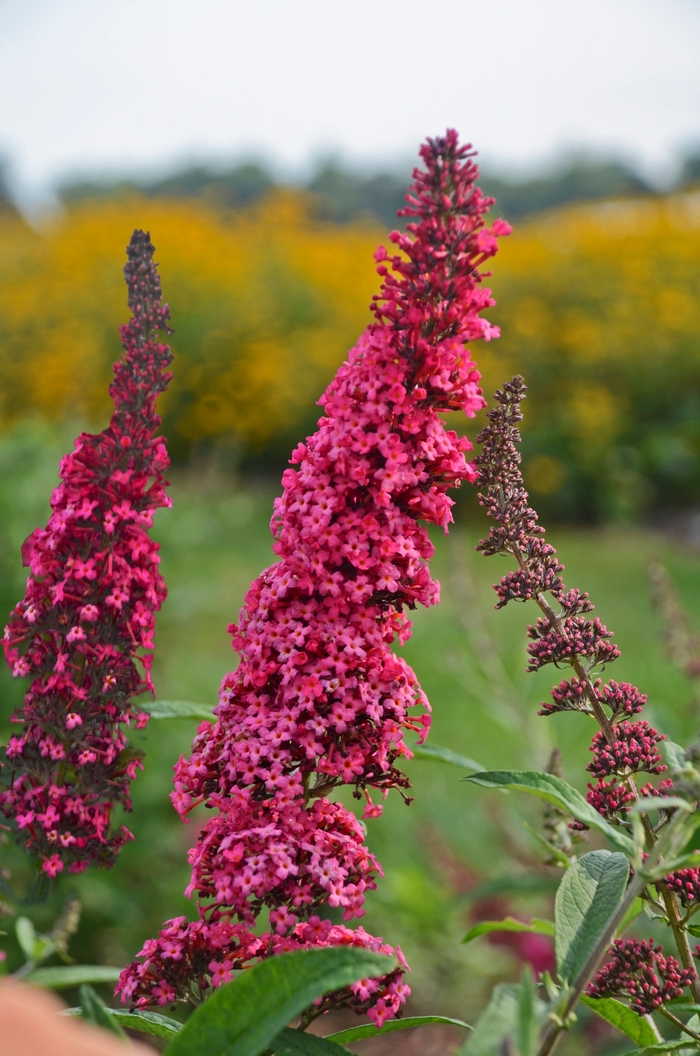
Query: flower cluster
{"x": 686, "y": 884}
{"x": 319, "y": 699}
{"x": 189, "y": 959}
{"x": 640, "y": 971}
{"x": 84, "y": 630}
{"x": 633, "y": 750}
{"x": 564, "y": 635}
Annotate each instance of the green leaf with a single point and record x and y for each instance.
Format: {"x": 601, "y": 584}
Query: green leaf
{"x": 368, "y": 1030}
{"x": 663, "y": 1046}
{"x": 26, "y": 936}
{"x": 498, "y": 1021}
{"x": 148, "y": 1022}
{"x": 436, "y": 753}
{"x": 66, "y": 975}
{"x": 647, "y": 803}
{"x": 177, "y": 709}
{"x": 299, "y": 1043}
{"x": 625, "y": 1019}
{"x": 527, "y": 1015}
{"x": 484, "y": 927}
{"x": 556, "y": 791}
{"x": 242, "y": 1017}
{"x": 588, "y": 894}
{"x": 39, "y": 890}
{"x": 96, "y": 1012}
{"x": 674, "y": 755}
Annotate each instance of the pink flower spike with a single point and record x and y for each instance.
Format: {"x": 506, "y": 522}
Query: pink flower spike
{"x": 94, "y": 576}
{"x": 319, "y": 699}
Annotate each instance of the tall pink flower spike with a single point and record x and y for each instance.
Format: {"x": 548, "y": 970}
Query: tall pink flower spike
{"x": 84, "y": 630}
{"x": 319, "y": 699}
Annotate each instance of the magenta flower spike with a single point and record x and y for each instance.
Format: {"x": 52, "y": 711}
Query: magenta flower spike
{"x": 319, "y": 699}
{"x": 84, "y": 630}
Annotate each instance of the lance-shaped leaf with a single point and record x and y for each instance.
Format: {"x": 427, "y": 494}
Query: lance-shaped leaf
{"x": 299, "y": 1043}
{"x": 536, "y": 926}
{"x": 368, "y": 1030}
{"x": 438, "y": 754}
{"x": 502, "y": 1019}
{"x": 625, "y": 1019}
{"x": 96, "y": 1012}
{"x": 555, "y": 790}
{"x": 527, "y": 1015}
{"x": 177, "y": 709}
{"x": 588, "y": 894}
{"x": 26, "y": 937}
{"x": 140, "y": 1019}
{"x": 66, "y": 975}
{"x": 683, "y": 1044}
{"x": 242, "y": 1017}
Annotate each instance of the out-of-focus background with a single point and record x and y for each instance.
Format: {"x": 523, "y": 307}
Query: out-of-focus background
{"x": 267, "y": 148}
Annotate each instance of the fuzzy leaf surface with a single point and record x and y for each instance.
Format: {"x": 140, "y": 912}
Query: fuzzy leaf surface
{"x": 588, "y": 894}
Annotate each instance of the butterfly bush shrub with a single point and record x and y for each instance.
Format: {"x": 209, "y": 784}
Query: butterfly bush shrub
{"x": 319, "y": 699}
{"x": 84, "y": 629}
{"x": 650, "y": 825}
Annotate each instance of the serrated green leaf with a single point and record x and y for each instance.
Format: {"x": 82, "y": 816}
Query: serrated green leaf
{"x": 63, "y": 976}
{"x": 368, "y": 1030}
{"x": 242, "y": 1017}
{"x": 555, "y": 790}
{"x": 299, "y": 1043}
{"x": 623, "y": 1018}
{"x": 535, "y": 926}
{"x": 26, "y": 936}
{"x": 436, "y": 753}
{"x": 177, "y": 709}
{"x": 96, "y": 1012}
{"x": 588, "y": 894}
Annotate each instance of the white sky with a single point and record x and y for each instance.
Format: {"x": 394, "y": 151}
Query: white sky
{"x": 98, "y": 85}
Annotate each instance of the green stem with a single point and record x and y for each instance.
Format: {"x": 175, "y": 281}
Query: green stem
{"x": 555, "y": 1028}
{"x": 677, "y": 1022}
{"x": 639, "y": 881}
{"x": 672, "y": 910}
